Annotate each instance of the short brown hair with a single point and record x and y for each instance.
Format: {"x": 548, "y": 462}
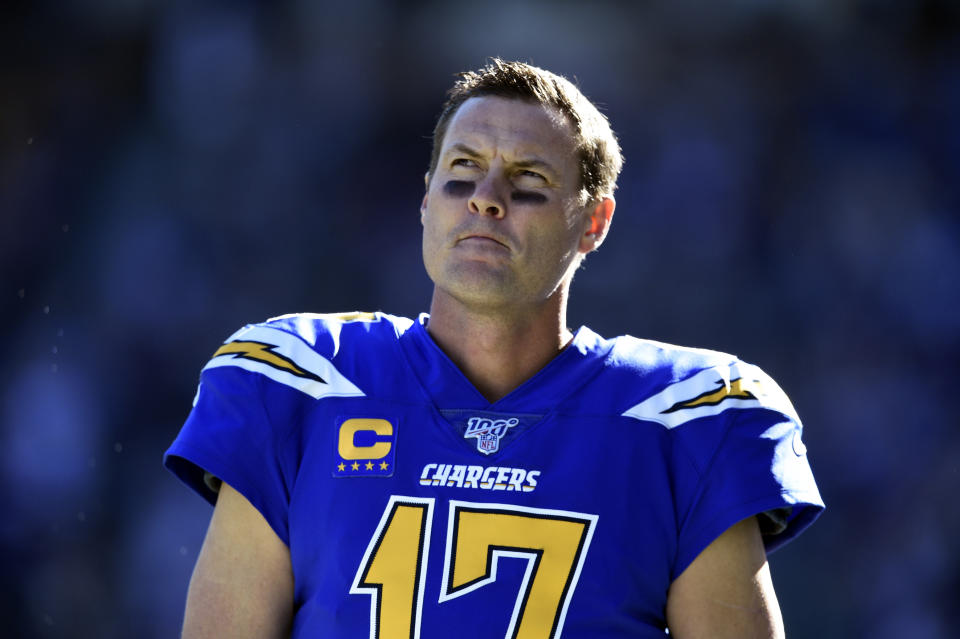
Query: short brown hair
{"x": 597, "y": 146}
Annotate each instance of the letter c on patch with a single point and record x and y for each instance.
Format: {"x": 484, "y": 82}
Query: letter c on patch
{"x": 373, "y": 429}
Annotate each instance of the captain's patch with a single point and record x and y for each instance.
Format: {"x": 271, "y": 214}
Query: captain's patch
{"x": 366, "y": 447}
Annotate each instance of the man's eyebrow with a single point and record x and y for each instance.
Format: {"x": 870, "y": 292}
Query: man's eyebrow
{"x": 535, "y": 163}
{"x": 530, "y": 163}
{"x": 460, "y": 147}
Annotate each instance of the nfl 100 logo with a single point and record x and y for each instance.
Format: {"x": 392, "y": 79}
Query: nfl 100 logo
{"x": 489, "y": 432}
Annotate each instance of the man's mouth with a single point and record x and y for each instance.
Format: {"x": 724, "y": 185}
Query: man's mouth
{"x": 480, "y": 238}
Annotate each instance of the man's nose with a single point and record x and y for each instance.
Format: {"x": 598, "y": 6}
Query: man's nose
{"x": 487, "y": 198}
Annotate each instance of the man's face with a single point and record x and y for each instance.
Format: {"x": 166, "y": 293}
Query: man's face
{"x": 503, "y": 223}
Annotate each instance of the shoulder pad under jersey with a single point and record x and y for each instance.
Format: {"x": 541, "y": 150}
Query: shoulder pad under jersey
{"x": 296, "y": 350}
{"x": 708, "y": 383}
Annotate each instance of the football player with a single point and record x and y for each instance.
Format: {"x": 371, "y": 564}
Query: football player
{"x": 483, "y": 470}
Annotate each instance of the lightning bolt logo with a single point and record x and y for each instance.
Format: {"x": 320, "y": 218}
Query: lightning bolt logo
{"x": 261, "y": 352}
{"x": 714, "y": 397}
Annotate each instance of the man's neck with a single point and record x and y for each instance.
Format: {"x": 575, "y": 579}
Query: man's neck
{"x": 499, "y": 350}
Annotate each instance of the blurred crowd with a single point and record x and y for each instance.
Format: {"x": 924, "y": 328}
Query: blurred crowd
{"x": 170, "y": 171}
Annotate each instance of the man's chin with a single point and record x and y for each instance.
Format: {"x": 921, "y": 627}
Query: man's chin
{"x": 479, "y": 288}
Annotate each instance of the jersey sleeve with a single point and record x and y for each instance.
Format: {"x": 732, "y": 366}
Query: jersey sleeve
{"x": 228, "y": 437}
{"x": 758, "y": 469}
{"x": 738, "y": 452}
{"x": 242, "y": 425}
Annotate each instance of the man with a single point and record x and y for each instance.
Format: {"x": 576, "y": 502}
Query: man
{"x": 483, "y": 471}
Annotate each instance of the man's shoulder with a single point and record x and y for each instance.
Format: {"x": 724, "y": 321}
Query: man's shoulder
{"x": 326, "y": 334}
{"x": 672, "y": 384}
{"x": 323, "y": 331}
{"x": 315, "y": 353}
{"x": 647, "y": 355}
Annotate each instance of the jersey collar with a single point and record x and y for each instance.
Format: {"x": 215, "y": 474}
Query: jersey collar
{"x": 447, "y": 386}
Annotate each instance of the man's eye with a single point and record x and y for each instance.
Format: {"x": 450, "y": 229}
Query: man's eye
{"x": 526, "y": 173}
{"x": 467, "y": 162}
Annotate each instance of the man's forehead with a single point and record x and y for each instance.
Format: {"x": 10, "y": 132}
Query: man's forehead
{"x": 524, "y": 125}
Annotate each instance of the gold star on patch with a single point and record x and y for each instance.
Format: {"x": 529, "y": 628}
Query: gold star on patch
{"x": 383, "y": 465}
{"x": 355, "y": 466}
{"x": 369, "y": 466}
{"x": 341, "y": 467}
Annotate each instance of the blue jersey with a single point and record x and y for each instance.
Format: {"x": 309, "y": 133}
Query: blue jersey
{"x": 413, "y": 507}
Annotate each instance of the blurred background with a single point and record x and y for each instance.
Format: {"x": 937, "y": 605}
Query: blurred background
{"x": 170, "y": 171}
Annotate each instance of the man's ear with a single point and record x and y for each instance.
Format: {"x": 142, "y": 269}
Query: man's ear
{"x": 598, "y": 224}
{"x": 423, "y": 204}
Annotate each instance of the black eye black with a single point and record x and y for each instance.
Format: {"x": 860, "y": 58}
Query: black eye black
{"x": 459, "y": 188}
{"x": 528, "y": 197}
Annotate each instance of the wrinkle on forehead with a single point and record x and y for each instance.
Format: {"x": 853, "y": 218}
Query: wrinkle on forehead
{"x": 505, "y": 126}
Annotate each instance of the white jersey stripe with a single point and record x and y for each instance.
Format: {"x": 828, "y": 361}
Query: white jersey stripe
{"x": 712, "y": 391}
{"x": 324, "y": 380}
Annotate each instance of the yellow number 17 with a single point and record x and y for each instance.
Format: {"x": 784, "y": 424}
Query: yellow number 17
{"x": 392, "y": 573}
